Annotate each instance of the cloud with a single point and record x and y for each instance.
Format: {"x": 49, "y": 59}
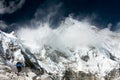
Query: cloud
{"x": 10, "y": 6}
{"x": 3, "y": 25}
{"x": 50, "y": 11}
{"x": 117, "y": 27}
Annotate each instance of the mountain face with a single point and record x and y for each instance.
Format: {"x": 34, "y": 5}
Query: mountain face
{"x": 90, "y": 62}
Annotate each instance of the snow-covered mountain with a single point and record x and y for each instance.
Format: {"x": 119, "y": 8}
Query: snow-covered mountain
{"x": 79, "y": 53}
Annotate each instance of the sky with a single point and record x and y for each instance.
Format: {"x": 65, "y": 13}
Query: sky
{"x": 16, "y": 13}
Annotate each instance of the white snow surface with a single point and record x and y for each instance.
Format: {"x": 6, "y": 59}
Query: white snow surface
{"x": 65, "y": 47}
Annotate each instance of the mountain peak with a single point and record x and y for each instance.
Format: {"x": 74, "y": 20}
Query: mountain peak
{"x": 96, "y": 60}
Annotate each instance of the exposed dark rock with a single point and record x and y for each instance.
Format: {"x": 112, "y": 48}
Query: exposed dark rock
{"x": 33, "y": 65}
{"x": 85, "y": 58}
{"x": 71, "y": 75}
{"x": 114, "y": 74}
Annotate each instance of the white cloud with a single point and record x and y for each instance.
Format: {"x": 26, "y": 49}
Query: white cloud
{"x": 118, "y": 26}
{"x": 3, "y": 25}
{"x": 11, "y": 7}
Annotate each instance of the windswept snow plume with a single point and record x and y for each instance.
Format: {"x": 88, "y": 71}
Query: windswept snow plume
{"x": 71, "y": 33}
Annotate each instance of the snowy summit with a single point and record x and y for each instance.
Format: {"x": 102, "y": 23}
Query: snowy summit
{"x": 74, "y": 48}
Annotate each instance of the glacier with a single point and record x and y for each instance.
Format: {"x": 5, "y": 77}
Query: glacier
{"x": 74, "y": 48}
